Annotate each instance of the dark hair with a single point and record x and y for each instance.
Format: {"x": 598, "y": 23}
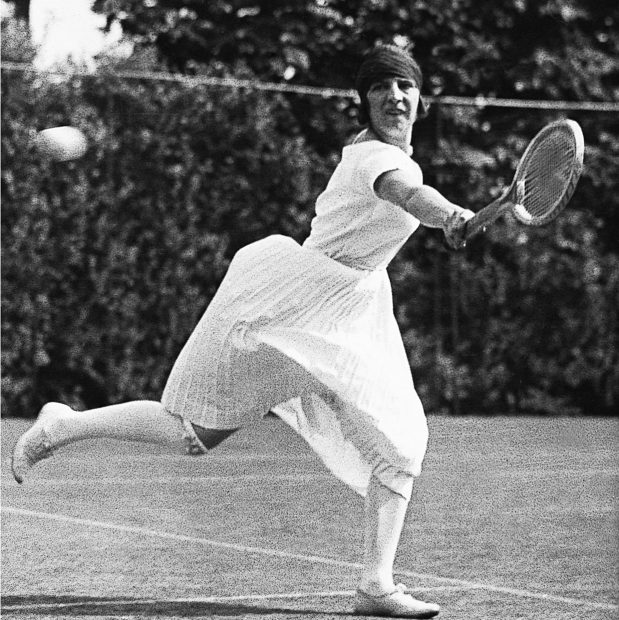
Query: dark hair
{"x": 386, "y": 61}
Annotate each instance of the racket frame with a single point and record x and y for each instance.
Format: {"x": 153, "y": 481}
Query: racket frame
{"x": 508, "y": 200}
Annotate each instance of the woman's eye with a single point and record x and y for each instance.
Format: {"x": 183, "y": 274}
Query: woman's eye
{"x": 403, "y": 85}
{"x": 379, "y": 86}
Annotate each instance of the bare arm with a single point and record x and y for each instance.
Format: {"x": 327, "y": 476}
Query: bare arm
{"x": 425, "y": 203}
{"x": 428, "y": 205}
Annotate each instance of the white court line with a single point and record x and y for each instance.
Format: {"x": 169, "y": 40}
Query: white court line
{"x": 303, "y": 557}
{"x": 123, "y": 481}
{"x": 544, "y": 473}
{"x": 215, "y": 456}
{"x": 233, "y": 477}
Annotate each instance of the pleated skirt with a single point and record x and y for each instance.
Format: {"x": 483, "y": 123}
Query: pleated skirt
{"x": 294, "y": 332}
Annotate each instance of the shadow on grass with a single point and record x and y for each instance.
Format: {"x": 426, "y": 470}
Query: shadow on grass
{"x": 68, "y": 606}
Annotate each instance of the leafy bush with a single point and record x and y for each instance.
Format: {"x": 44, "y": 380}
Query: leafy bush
{"x": 108, "y": 262}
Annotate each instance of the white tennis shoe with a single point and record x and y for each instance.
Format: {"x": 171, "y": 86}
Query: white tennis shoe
{"x": 35, "y": 444}
{"x": 396, "y": 604}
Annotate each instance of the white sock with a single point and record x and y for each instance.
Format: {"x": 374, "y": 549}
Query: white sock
{"x": 142, "y": 420}
{"x": 385, "y": 512}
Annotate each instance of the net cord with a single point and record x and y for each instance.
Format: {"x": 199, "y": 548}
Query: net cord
{"x": 315, "y": 91}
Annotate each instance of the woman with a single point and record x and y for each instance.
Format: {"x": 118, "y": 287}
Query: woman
{"x": 309, "y": 333}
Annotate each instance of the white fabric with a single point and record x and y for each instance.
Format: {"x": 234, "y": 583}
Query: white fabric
{"x": 352, "y": 225}
{"x": 297, "y": 332}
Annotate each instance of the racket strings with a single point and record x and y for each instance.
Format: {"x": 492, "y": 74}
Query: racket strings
{"x": 546, "y": 175}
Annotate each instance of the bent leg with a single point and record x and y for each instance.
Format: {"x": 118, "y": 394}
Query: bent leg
{"x": 142, "y": 420}
{"x": 59, "y": 425}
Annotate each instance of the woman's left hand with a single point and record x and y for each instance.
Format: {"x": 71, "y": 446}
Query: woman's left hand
{"x": 455, "y": 227}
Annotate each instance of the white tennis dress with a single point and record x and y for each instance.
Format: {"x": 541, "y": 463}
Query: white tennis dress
{"x": 308, "y": 332}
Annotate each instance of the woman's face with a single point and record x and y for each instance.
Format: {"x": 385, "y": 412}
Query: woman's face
{"x": 392, "y": 106}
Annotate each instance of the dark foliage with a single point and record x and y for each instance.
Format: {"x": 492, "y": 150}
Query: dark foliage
{"x": 109, "y": 261}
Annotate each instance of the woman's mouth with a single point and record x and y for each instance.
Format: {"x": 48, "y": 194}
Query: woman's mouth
{"x": 394, "y": 111}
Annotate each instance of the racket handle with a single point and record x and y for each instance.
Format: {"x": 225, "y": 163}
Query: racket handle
{"x": 486, "y": 216}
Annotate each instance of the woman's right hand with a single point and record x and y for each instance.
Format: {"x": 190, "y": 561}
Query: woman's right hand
{"x": 454, "y": 228}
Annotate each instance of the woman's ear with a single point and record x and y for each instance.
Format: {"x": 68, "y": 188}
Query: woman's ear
{"x": 363, "y": 115}
{"x": 360, "y": 137}
{"x": 422, "y": 108}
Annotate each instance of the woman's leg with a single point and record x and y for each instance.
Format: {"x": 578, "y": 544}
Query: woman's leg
{"x": 385, "y": 512}
{"x": 141, "y": 421}
{"x": 378, "y": 595}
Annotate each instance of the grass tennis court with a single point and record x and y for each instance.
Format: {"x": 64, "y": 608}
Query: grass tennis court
{"x": 511, "y": 518}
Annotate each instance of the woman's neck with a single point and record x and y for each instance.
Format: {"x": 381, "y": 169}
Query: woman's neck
{"x": 402, "y": 142}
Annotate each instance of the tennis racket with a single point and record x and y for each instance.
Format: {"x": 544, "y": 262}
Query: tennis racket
{"x": 545, "y": 179}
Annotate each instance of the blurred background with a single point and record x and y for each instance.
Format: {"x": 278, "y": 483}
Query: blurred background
{"x": 213, "y": 124}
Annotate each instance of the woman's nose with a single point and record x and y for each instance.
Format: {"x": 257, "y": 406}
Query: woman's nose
{"x": 394, "y": 91}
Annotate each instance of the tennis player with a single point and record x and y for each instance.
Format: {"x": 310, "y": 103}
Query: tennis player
{"x": 309, "y": 333}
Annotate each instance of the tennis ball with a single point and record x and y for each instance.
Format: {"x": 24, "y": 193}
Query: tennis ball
{"x": 61, "y": 143}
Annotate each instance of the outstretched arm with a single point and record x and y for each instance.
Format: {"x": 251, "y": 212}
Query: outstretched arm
{"x": 428, "y": 205}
